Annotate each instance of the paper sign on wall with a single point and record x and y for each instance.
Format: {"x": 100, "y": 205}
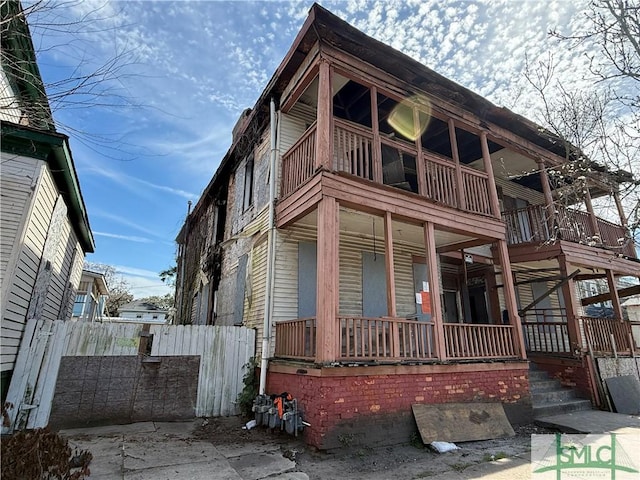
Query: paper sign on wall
{"x": 419, "y": 298}
{"x": 425, "y": 286}
{"x": 426, "y": 302}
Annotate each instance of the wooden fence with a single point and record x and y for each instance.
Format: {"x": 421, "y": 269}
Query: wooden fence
{"x": 223, "y": 351}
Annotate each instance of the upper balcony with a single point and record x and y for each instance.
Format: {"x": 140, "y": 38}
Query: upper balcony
{"x": 535, "y": 224}
{"x": 399, "y": 164}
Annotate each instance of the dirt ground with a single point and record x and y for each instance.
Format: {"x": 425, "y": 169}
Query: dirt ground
{"x": 412, "y": 460}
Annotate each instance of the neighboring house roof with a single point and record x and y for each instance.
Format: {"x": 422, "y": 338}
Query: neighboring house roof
{"x": 330, "y": 29}
{"x": 53, "y": 148}
{"x": 632, "y": 301}
{"x": 140, "y": 306}
{"x": 39, "y": 139}
{"x": 98, "y": 279}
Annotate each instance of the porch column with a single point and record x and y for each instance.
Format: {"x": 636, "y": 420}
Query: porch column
{"x": 328, "y": 280}
{"x": 456, "y": 159}
{"x": 421, "y": 171}
{"x": 388, "y": 255}
{"x": 376, "y": 147}
{"x": 623, "y": 217}
{"x": 592, "y": 216}
{"x": 324, "y": 126}
{"x": 434, "y": 289}
{"x": 569, "y": 295}
{"x": 613, "y": 292}
{"x": 548, "y": 199}
{"x": 491, "y": 180}
{"x": 510, "y": 298}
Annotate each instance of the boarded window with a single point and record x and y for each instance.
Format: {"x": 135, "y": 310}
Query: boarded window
{"x": 248, "y": 185}
{"x": 238, "y": 311}
{"x": 374, "y": 285}
{"x": 307, "y": 275}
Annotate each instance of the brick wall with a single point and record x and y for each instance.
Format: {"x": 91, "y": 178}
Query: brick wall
{"x": 124, "y": 389}
{"x": 376, "y": 408}
{"x": 574, "y": 374}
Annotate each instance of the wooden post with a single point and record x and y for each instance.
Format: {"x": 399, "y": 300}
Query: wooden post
{"x": 592, "y": 217}
{"x": 623, "y": 217}
{"x": 570, "y": 305}
{"x": 376, "y": 147}
{"x": 510, "y": 298}
{"x": 328, "y": 280}
{"x": 548, "y": 198}
{"x": 493, "y": 191}
{"x": 388, "y": 255}
{"x": 456, "y": 158}
{"x": 434, "y": 289}
{"x": 324, "y": 128}
{"x": 613, "y": 292}
{"x": 421, "y": 171}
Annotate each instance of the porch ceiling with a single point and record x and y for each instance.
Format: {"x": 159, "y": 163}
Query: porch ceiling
{"x": 365, "y": 224}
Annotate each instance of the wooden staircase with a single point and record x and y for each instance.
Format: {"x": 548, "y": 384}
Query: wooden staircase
{"x": 549, "y": 397}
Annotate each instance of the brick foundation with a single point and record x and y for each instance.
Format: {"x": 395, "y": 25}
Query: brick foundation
{"x": 372, "y": 405}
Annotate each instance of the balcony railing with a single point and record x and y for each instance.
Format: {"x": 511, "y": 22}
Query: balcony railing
{"x": 534, "y": 224}
{"x": 353, "y": 154}
{"x": 298, "y": 163}
{"x": 363, "y": 339}
{"x": 545, "y": 331}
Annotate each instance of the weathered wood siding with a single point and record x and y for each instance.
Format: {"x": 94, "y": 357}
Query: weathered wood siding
{"x": 29, "y": 233}
{"x": 515, "y": 190}
{"x": 15, "y": 302}
{"x": 223, "y": 351}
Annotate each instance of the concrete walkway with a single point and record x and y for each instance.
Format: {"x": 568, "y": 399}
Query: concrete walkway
{"x": 168, "y": 451}
{"x": 592, "y": 421}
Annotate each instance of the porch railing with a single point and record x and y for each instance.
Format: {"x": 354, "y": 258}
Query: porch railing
{"x": 363, "y": 339}
{"x": 609, "y": 335}
{"x": 385, "y": 338}
{"x": 353, "y": 151}
{"x": 298, "y": 163}
{"x": 296, "y": 339}
{"x": 545, "y": 331}
{"x": 469, "y": 341}
{"x": 535, "y": 224}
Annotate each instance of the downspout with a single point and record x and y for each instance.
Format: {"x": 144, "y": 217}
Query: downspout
{"x": 271, "y": 251}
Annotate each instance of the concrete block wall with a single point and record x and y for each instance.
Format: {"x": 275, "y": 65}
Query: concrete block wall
{"x": 375, "y": 409}
{"x": 124, "y": 389}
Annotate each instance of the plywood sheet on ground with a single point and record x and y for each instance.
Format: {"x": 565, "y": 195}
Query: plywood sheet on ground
{"x": 625, "y": 393}
{"x": 461, "y": 422}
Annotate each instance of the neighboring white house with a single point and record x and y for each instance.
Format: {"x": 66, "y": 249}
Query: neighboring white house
{"x": 44, "y": 231}
{"x": 141, "y": 311}
{"x": 91, "y": 298}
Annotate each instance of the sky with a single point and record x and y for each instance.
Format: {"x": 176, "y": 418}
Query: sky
{"x": 152, "y": 131}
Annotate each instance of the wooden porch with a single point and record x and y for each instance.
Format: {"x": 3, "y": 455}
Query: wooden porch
{"x": 396, "y": 340}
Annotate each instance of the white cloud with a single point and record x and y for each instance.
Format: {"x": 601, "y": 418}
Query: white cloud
{"x": 130, "y": 238}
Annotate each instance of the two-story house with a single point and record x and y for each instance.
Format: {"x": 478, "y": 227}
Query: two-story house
{"x": 393, "y": 238}
{"x": 45, "y": 233}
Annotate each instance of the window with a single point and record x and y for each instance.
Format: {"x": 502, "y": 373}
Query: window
{"x": 155, "y": 317}
{"x": 138, "y": 316}
{"x": 247, "y": 200}
{"x": 78, "y": 306}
